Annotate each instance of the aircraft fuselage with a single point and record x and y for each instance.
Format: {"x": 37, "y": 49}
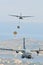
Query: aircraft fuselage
{"x": 26, "y": 55}
{"x": 20, "y": 17}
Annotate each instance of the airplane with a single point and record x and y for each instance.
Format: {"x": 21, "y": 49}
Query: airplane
{"x": 23, "y": 51}
{"x": 20, "y": 16}
{"x": 25, "y": 54}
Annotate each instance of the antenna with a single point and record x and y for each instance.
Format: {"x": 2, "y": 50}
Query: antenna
{"x": 24, "y": 43}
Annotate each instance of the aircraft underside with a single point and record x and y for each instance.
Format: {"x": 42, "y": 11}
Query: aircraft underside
{"x": 26, "y": 56}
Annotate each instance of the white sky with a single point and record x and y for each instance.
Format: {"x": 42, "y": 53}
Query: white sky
{"x": 27, "y": 7}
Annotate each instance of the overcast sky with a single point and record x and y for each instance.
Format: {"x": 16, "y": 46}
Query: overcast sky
{"x": 29, "y": 27}
{"x": 27, "y": 7}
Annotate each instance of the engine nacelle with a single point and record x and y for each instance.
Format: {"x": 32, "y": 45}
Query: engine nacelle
{"x": 37, "y": 52}
{"x": 17, "y": 52}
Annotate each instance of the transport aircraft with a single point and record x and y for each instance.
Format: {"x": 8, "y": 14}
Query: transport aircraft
{"x": 21, "y": 16}
{"x": 23, "y": 51}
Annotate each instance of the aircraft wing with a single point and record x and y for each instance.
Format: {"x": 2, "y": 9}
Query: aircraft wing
{"x": 27, "y": 16}
{"x": 35, "y": 50}
{"x": 15, "y": 15}
{"x": 6, "y": 49}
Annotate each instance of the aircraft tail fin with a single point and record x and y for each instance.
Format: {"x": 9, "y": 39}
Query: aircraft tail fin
{"x": 24, "y": 43}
